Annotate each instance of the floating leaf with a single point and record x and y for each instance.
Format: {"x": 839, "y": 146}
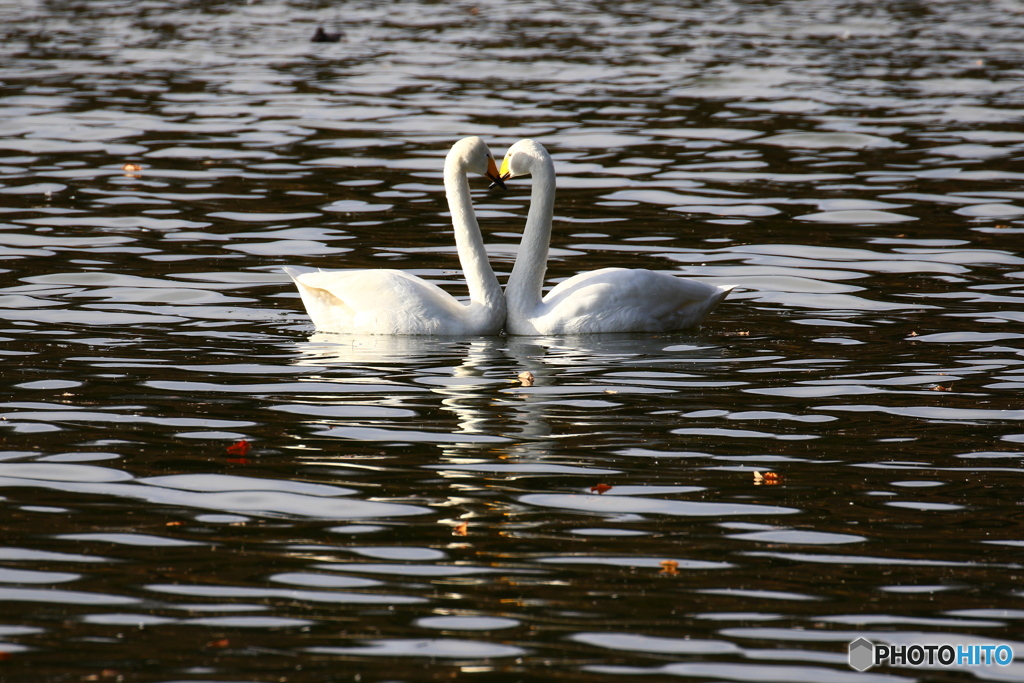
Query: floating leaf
{"x": 461, "y": 529}
{"x": 526, "y": 378}
{"x": 239, "y": 448}
{"x": 768, "y": 478}
{"x": 669, "y": 567}
{"x": 600, "y": 488}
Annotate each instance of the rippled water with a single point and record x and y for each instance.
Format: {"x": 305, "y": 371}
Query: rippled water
{"x": 409, "y": 510}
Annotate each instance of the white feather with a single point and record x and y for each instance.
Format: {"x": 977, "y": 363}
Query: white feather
{"x": 396, "y": 302}
{"x": 605, "y": 300}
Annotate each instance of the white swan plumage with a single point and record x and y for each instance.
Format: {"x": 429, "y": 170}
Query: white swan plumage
{"x": 605, "y": 300}
{"x": 395, "y": 302}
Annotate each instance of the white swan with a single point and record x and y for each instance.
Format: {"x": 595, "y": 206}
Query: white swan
{"x": 605, "y": 300}
{"x": 395, "y": 302}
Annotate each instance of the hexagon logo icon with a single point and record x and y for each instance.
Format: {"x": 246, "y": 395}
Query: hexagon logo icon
{"x": 862, "y": 654}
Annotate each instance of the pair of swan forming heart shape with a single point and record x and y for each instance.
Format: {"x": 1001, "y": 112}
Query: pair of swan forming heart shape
{"x": 606, "y": 300}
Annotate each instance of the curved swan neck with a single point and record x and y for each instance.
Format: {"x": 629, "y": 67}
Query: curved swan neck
{"x": 526, "y": 282}
{"x": 483, "y": 284}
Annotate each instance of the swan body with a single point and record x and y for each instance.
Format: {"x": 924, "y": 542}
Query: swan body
{"x": 395, "y": 302}
{"x": 605, "y": 300}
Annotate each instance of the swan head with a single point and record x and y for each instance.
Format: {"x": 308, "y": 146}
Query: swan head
{"x": 471, "y": 155}
{"x": 522, "y": 158}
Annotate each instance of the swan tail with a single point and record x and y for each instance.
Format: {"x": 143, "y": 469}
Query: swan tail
{"x": 712, "y": 302}
{"x": 328, "y": 312}
{"x": 294, "y": 273}
{"x": 694, "y": 312}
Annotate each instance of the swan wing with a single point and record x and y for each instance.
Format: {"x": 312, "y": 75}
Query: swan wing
{"x": 379, "y": 302}
{"x": 625, "y": 300}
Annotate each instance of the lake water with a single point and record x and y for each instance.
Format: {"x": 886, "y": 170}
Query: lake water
{"x": 409, "y": 510}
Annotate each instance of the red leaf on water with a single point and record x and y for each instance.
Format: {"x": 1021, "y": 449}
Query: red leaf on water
{"x": 239, "y": 448}
{"x": 600, "y": 488}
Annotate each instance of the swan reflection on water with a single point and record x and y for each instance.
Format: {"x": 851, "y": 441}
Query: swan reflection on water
{"x": 465, "y": 372}
{"x": 504, "y": 433}
{"x": 476, "y": 380}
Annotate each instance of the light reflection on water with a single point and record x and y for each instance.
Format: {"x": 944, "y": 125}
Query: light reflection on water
{"x": 409, "y": 504}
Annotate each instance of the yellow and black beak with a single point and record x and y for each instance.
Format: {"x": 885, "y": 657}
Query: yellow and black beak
{"x": 493, "y": 175}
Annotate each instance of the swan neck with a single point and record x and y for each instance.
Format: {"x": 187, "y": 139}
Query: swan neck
{"x": 484, "y": 289}
{"x": 526, "y": 282}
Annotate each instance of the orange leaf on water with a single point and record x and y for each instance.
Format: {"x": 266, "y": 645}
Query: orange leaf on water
{"x": 239, "y": 448}
{"x": 600, "y": 488}
{"x": 219, "y": 643}
{"x": 670, "y": 567}
{"x": 769, "y": 478}
{"x": 461, "y": 529}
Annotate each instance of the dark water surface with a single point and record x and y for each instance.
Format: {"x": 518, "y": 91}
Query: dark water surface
{"x": 409, "y": 511}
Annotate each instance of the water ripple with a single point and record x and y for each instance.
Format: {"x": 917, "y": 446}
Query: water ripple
{"x": 404, "y": 505}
